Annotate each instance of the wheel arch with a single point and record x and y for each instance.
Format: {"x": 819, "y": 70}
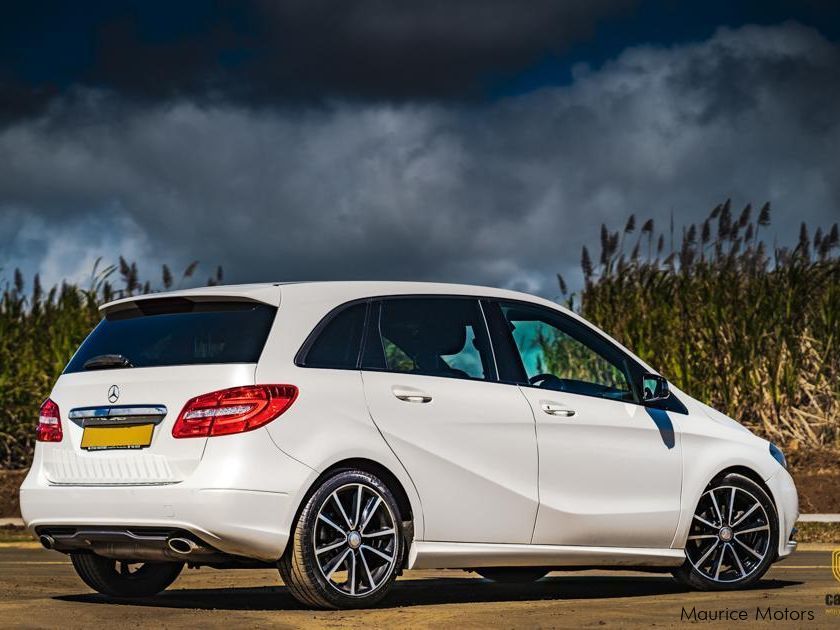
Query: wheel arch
{"x": 750, "y": 474}
{"x": 374, "y": 468}
{"x": 407, "y": 511}
{"x": 753, "y": 476}
{"x": 739, "y": 469}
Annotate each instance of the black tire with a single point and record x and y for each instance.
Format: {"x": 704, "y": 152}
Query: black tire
{"x": 513, "y": 575}
{"x": 742, "y": 569}
{"x": 300, "y": 566}
{"x": 118, "y": 579}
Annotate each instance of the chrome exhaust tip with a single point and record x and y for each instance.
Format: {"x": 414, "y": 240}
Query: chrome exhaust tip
{"x": 182, "y": 546}
{"x": 48, "y": 542}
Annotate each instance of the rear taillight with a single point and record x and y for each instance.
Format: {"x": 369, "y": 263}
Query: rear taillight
{"x": 233, "y": 410}
{"x": 49, "y": 423}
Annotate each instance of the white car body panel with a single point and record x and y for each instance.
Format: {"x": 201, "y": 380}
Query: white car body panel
{"x": 472, "y": 485}
{"x": 168, "y": 460}
{"x": 240, "y": 498}
{"x": 631, "y": 497}
{"x": 472, "y": 451}
{"x": 713, "y": 442}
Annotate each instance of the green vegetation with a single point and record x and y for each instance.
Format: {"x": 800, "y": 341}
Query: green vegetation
{"x": 752, "y": 333}
{"x": 39, "y": 331}
{"x": 567, "y": 356}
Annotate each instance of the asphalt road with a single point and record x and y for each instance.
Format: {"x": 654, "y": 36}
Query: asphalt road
{"x": 39, "y": 589}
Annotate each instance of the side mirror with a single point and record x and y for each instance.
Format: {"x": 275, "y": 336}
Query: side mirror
{"x": 654, "y": 388}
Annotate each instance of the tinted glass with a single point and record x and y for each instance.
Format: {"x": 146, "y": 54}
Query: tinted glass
{"x": 180, "y": 332}
{"x": 431, "y": 336}
{"x": 338, "y": 343}
{"x": 560, "y": 354}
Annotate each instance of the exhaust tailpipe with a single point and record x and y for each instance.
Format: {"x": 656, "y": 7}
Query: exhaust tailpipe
{"x": 48, "y": 542}
{"x": 183, "y": 546}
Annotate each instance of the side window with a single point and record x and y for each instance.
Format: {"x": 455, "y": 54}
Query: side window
{"x": 560, "y": 354}
{"x": 337, "y": 344}
{"x": 430, "y": 336}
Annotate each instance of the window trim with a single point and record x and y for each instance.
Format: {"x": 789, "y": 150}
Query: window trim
{"x": 315, "y": 333}
{"x": 493, "y": 377}
{"x": 490, "y": 308}
{"x": 373, "y": 302}
{"x": 510, "y": 354}
{"x": 130, "y": 311}
{"x": 489, "y": 341}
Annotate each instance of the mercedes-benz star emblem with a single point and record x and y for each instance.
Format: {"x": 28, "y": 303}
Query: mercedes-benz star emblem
{"x": 113, "y": 394}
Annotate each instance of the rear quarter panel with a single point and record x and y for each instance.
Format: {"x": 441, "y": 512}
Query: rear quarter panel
{"x": 329, "y": 422}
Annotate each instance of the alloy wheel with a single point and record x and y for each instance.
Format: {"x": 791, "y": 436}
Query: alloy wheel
{"x": 729, "y": 537}
{"x": 355, "y": 540}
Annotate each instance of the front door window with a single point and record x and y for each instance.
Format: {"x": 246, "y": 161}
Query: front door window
{"x": 561, "y": 355}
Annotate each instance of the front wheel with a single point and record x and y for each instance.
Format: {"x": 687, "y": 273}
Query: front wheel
{"x": 346, "y": 546}
{"x": 731, "y": 542}
{"x": 124, "y": 579}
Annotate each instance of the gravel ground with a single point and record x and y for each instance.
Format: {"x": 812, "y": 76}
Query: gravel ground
{"x": 39, "y": 589}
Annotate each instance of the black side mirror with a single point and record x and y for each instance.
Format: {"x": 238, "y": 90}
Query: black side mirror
{"x": 654, "y": 388}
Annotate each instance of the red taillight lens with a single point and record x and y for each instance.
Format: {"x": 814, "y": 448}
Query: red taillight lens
{"x": 233, "y": 410}
{"x": 49, "y": 423}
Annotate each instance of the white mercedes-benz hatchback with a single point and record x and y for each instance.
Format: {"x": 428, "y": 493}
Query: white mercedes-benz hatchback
{"x": 344, "y": 432}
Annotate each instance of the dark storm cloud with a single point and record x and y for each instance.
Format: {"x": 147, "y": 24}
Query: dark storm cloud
{"x": 273, "y": 52}
{"x": 503, "y": 193}
{"x": 436, "y": 48}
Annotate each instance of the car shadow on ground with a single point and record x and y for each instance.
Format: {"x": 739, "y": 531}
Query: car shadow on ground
{"x": 420, "y": 592}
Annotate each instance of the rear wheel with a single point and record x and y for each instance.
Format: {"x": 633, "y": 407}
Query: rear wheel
{"x": 512, "y": 575}
{"x": 124, "y": 579}
{"x": 732, "y": 539}
{"x": 346, "y": 546}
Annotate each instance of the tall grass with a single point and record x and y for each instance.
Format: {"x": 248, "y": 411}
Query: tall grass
{"x": 753, "y": 333}
{"x": 40, "y": 330}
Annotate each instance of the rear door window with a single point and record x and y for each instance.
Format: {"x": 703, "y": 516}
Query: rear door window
{"x": 430, "y": 336}
{"x": 176, "y": 331}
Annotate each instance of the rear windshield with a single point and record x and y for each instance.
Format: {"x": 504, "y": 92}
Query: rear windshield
{"x": 176, "y": 332}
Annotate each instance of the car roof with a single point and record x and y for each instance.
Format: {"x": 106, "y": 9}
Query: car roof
{"x": 332, "y": 291}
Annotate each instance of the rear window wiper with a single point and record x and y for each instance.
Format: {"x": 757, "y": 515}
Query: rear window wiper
{"x": 103, "y": 361}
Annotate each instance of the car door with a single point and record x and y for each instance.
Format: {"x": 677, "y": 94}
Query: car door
{"x": 609, "y": 468}
{"x": 467, "y": 441}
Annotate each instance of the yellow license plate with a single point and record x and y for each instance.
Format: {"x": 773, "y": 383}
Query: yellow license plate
{"x": 133, "y": 436}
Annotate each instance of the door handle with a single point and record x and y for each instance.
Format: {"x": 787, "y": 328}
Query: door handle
{"x": 411, "y": 395}
{"x": 553, "y": 409}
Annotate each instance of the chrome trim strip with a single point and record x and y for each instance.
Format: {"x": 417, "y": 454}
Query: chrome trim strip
{"x": 120, "y": 414}
{"x": 111, "y": 534}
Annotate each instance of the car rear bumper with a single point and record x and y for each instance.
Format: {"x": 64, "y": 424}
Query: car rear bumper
{"x": 234, "y": 521}
{"x": 241, "y": 499}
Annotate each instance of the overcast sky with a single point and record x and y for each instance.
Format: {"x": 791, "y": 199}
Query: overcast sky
{"x": 476, "y": 141}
